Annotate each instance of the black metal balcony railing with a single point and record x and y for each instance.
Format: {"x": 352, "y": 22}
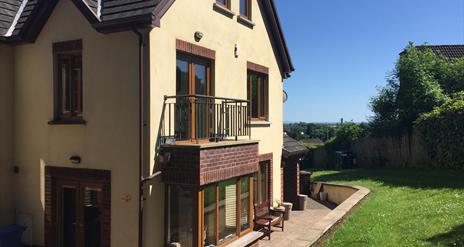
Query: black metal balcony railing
{"x": 199, "y": 118}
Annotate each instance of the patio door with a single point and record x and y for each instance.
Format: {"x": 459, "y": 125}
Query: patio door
{"x": 193, "y": 76}
{"x": 77, "y": 207}
{"x": 80, "y": 210}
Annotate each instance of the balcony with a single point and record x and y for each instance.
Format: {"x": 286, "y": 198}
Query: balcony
{"x": 205, "y": 139}
{"x": 198, "y": 119}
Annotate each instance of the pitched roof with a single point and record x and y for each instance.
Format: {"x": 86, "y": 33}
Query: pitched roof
{"x": 22, "y": 20}
{"x": 292, "y": 147}
{"x": 448, "y": 51}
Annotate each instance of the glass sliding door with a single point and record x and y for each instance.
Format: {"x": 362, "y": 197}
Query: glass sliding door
{"x": 227, "y": 210}
{"x": 180, "y": 223}
{"x": 245, "y": 203}
{"x": 210, "y": 199}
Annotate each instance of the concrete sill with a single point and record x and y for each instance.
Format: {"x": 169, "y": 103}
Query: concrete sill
{"x": 245, "y": 21}
{"x": 223, "y": 10}
{"x": 67, "y": 122}
{"x": 260, "y": 124}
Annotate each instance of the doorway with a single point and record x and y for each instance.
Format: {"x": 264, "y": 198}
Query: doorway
{"x": 78, "y": 209}
{"x": 193, "y": 107}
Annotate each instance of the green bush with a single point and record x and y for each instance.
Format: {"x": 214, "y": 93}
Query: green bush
{"x": 443, "y": 132}
{"x": 346, "y": 135}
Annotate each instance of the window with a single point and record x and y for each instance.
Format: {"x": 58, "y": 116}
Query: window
{"x": 210, "y": 215}
{"x": 68, "y": 80}
{"x": 180, "y": 216}
{"x": 245, "y": 8}
{"x": 258, "y": 90}
{"x": 261, "y": 183}
{"x": 193, "y": 77}
{"x": 226, "y": 211}
{"x": 225, "y": 3}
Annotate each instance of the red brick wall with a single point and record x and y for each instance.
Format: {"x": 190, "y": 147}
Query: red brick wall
{"x": 195, "y": 166}
{"x": 220, "y": 164}
{"x": 197, "y": 50}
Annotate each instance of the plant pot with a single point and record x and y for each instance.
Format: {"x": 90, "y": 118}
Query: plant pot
{"x": 323, "y": 196}
{"x": 288, "y": 208}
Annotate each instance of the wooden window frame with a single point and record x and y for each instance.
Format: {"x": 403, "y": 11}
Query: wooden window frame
{"x": 267, "y": 193}
{"x": 263, "y": 81}
{"x": 226, "y": 4}
{"x": 248, "y": 10}
{"x": 192, "y": 60}
{"x": 239, "y": 232}
{"x": 70, "y": 50}
{"x": 53, "y": 176}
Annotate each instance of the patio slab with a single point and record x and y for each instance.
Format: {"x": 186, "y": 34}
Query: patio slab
{"x": 305, "y": 228}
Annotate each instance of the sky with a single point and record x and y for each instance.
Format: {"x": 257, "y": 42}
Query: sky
{"x": 343, "y": 49}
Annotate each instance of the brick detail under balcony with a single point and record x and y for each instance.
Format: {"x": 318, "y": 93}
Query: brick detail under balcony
{"x": 197, "y": 166}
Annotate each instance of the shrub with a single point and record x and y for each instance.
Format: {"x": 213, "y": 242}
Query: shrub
{"x": 346, "y": 135}
{"x": 442, "y": 132}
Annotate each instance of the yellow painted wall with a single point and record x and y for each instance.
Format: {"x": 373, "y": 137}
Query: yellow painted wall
{"x": 6, "y": 133}
{"x": 221, "y": 33}
{"x": 110, "y": 138}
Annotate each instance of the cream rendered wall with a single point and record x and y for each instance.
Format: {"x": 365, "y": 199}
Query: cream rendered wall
{"x": 108, "y": 140}
{"x": 221, "y": 33}
{"x": 6, "y": 133}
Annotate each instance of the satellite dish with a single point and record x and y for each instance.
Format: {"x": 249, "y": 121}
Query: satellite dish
{"x": 285, "y": 96}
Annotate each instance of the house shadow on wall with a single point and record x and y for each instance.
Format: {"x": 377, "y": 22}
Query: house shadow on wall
{"x": 455, "y": 237}
{"x": 413, "y": 178}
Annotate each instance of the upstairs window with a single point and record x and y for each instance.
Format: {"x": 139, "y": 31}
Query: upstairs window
{"x": 245, "y": 9}
{"x": 258, "y": 90}
{"x": 224, "y": 3}
{"x": 68, "y": 80}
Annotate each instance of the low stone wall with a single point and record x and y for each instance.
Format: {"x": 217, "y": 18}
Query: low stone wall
{"x": 337, "y": 193}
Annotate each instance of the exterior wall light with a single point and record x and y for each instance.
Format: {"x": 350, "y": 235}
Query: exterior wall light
{"x": 198, "y": 36}
{"x": 237, "y": 50}
{"x": 75, "y": 159}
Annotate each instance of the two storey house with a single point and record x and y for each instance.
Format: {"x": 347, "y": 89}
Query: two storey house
{"x": 139, "y": 123}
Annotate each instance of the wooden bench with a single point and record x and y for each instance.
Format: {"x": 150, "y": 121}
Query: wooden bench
{"x": 265, "y": 218}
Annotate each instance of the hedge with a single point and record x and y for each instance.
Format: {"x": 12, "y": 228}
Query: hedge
{"x": 442, "y": 131}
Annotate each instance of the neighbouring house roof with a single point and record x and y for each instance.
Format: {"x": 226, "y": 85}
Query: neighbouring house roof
{"x": 22, "y": 20}
{"x": 448, "y": 51}
{"x": 293, "y": 148}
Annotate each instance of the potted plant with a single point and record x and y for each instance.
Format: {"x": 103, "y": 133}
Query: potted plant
{"x": 288, "y": 207}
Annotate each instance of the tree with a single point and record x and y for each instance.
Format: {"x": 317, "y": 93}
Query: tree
{"x": 419, "y": 90}
{"x": 346, "y": 135}
{"x": 385, "y": 108}
{"x": 413, "y": 88}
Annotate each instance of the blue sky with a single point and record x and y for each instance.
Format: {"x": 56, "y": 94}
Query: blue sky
{"x": 342, "y": 49}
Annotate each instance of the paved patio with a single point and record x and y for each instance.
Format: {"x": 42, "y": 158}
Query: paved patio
{"x": 305, "y": 227}
{"x": 297, "y": 232}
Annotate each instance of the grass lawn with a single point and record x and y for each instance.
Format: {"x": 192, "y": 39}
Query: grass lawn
{"x": 405, "y": 208}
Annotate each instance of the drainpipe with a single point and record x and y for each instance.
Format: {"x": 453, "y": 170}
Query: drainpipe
{"x": 142, "y": 125}
{"x": 143, "y": 134}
